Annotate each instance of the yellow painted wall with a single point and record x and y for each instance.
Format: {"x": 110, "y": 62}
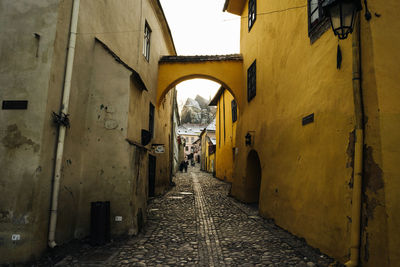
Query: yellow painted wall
{"x": 307, "y": 170}
{"x": 211, "y": 162}
{"x": 381, "y": 88}
{"x": 226, "y": 137}
{"x": 203, "y": 155}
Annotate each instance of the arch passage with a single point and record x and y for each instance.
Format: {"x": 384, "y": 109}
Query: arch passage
{"x": 226, "y": 70}
{"x": 253, "y": 177}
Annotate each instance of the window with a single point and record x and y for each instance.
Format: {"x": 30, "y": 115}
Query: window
{"x": 192, "y": 139}
{"x": 234, "y": 110}
{"x": 318, "y": 23}
{"x": 186, "y": 148}
{"x": 252, "y": 12}
{"x": 151, "y": 120}
{"x": 146, "y": 41}
{"x": 251, "y": 81}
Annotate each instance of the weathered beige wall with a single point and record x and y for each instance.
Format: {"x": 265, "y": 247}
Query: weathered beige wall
{"x": 106, "y": 96}
{"x": 98, "y": 163}
{"x": 27, "y": 72}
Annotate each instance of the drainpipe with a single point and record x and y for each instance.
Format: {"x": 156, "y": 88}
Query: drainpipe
{"x": 62, "y": 128}
{"x": 358, "y": 150}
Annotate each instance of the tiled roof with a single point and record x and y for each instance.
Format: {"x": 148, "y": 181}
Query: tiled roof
{"x": 232, "y": 57}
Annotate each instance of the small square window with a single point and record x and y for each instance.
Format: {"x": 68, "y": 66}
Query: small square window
{"x": 146, "y": 41}
{"x": 252, "y": 13}
{"x": 251, "y": 81}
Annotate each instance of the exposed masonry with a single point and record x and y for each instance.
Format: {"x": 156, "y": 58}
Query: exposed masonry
{"x": 210, "y": 249}
{"x": 183, "y": 59}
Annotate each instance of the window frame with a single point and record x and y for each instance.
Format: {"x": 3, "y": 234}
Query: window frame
{"x": 147, "y": 41}
{"x": 320, "y": 25}
{"x": 252, "y": 13}
{"x": 252, "y": 81}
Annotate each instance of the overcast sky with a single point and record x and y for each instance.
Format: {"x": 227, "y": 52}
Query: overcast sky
{"x": 199, "y": 27}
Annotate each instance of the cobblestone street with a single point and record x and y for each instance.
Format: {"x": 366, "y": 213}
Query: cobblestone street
{"x": 198, "y": 224}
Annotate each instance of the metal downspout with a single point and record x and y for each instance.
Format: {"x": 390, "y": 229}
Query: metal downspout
{"x": 358, "y": 151}
{"x": 62, "y": 128}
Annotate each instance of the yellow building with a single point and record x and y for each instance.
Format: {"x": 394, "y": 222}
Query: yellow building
{"x": 226, "y": 120}
{"x": 208, "y": 147}
{"x": 296, "y": 137}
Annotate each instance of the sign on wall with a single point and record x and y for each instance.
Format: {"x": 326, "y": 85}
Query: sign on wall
{"x": 158, "y": 148}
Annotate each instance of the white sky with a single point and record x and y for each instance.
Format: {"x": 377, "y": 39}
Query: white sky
{"x": 199, "y": 27}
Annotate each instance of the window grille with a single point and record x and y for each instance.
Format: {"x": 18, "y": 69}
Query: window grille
{"x": 252, "y": 13}
{"x": 251, "y": 81}
{"x": 146, "y": 41}
{"x": 318, "y": 22}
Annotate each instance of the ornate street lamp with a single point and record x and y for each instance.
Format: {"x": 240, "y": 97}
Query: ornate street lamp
{"x": 342, "y": 14}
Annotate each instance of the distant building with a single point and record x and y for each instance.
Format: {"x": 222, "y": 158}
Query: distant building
{"x": 190, "y": 133}
{"x": 208, "y": 147}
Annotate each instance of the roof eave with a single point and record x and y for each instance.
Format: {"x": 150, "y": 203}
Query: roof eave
{"x": 234, "y": 6}
{"x": 214, "y": 101}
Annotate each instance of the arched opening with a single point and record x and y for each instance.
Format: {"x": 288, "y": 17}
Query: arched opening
{"x": 253, "y": 177}
{"x": 192, "y": 77}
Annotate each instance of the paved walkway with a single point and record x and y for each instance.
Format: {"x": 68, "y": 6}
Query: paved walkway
{"x": 197, "y": 224}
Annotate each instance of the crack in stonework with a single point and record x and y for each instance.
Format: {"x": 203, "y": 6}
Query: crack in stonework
{"x": 212, "y": 256}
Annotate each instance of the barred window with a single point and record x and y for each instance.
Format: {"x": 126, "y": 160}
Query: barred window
{"x": 146, "y": 41}
{"x": 251, "y": 81}
{"x": 252, "y": 13}
{"x": 318, "y": 22}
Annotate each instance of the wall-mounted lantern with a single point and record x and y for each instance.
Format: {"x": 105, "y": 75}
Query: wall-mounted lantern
{"x": 342, "y": 14}
{"x": 248, "y": 139}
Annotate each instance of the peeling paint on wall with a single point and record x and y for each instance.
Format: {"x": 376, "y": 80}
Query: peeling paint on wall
{"x": 14, "y": 139}
{"x": 373, "y": 173}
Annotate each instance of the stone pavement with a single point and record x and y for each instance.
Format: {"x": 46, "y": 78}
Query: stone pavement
{"x": 198, "y": 224}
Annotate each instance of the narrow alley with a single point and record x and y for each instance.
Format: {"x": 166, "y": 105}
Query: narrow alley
{"x": 198, "y": 224}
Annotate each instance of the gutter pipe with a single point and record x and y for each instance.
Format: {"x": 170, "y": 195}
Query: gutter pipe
{"x": 358, "y": 149}
{"x": 62, "y": 128}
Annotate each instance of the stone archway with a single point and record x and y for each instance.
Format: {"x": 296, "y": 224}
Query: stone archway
{"x": 225, "y": 70}
{"x": 253, "y": 177}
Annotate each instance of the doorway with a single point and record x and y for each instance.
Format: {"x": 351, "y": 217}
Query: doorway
{"x": 253, "y": 177}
